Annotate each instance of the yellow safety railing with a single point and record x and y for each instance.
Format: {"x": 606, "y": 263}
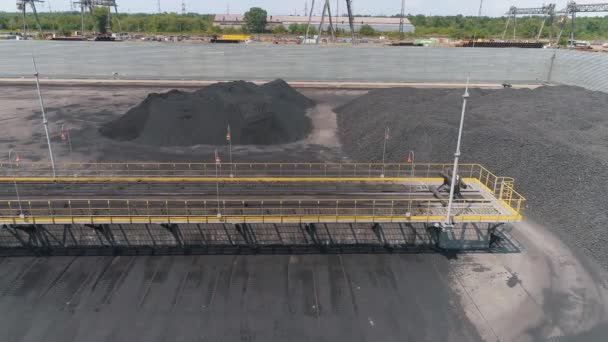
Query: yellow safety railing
{"x": 63, "y": 211}
{"x": 418, "y": 170}
{"x": 502, "y": 188}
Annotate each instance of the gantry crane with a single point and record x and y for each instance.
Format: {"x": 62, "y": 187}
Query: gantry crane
{"x": 402, "y": 19}
{"x": 21, "y": 6}
{"x": 332, "y": 29}
{"x": 349, "y": 7}
{"x": 547, "y": 11}
{"x": 326, "y": 9}
{"x": 571, "y": 9}
{"x": 88, "y": 5}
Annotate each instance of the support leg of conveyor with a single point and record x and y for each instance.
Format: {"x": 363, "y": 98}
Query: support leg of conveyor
{"x": 104, "y": 231}
{"x": 175, "y": 232}
{"x": 36, "y": 238}
{"x": 32, "y": 241}
{"x": 494, "y": 237}
{"x": 311, "y": 229}
{"x": 248, "y": 235}
{"x": 378, "y": 230}
{"x": 67, "y": 233}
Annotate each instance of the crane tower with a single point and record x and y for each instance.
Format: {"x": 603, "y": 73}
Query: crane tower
{"x": 22, "y": 7}
{"x": 88, "y": 5}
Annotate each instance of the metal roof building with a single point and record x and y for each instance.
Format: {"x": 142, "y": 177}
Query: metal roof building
{"x": 377, "y": 23}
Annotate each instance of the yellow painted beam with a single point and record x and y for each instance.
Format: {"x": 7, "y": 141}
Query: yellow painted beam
{"x": 213, "y": 180}
{"x": 250, "y": 219}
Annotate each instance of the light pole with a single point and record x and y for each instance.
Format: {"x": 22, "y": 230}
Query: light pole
{"x": 448, "y": 220}
{"x": 10, "y": 153}
{"x": 45, "y": 122}
{"x": 386, "y": 137}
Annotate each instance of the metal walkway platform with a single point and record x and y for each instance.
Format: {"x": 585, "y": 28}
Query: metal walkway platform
{"x": 249, "y": 193}
{"x": 191, "y": 208}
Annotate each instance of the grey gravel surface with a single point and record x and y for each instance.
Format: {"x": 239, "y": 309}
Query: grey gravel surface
{"x": 272, "y": 113}
{"x": 552, "y": 140}
{"x": 230, "y": 298}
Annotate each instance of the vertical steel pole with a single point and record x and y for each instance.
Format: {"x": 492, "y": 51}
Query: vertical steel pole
{"x": 320, "y": 30}
{"x": 504, "y": 33}
{"x": 337, "y": 17}
{"x": 15, "y": 183}
{"x": 331, "y": 24}
{"x": 448, "y": 219}
{"x": 217, "y": 184}
{"x": 229, "y": 138}
{"x": 312, "y": 6}
{"x": 413, "y": 161}
{"x": 69, "y": 140}
{"x": 573, "y": 28}
{"x": 386, "y": 133}
{"x": 82, "y": 18}
{"x": 402, "y": 20}
{"x": 45, "y": 122}
{"x": 24, "y": 23}
{"x": 349, "y": 6}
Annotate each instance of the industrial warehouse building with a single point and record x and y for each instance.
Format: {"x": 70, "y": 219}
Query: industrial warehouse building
{"x": 379, "y": 24}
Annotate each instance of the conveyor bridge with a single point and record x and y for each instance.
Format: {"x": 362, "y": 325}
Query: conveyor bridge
{"x": 243, "y": 196}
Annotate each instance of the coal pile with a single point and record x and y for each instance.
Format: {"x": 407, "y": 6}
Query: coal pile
{"x": 273, "y": 113}
{"x": 552, "y": 140}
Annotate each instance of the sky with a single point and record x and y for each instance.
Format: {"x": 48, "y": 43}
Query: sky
{"x": 286, "y": 7}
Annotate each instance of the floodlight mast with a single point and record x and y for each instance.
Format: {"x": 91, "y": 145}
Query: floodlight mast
{"x": 45, "y": 122}
{"x": 448, "y": 218}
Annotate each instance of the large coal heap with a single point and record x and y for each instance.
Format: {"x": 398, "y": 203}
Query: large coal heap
{"x": 273, "y": 113}
{"x": 552, "y": 140}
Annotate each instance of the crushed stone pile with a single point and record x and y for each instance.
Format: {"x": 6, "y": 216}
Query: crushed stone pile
{"x": 552, "y": 140}
{"x": 273, "y": 113}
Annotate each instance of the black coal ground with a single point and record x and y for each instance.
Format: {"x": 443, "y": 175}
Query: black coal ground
{"x": 272, "y": 113}
{"x": 552, "y": 140}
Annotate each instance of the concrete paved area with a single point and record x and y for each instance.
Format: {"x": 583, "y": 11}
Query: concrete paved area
{"x": 544, "y": 291}
{"x": 231, "y": 298}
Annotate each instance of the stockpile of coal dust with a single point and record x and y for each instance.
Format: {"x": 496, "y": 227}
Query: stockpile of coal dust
{"x": 273, "y": 113}
{"x": 552, "y": 140}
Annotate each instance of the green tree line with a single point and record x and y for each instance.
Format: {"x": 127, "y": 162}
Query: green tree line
{"x": 486, "y": 27}
{"x": 67, "y": 22}
{"x": 447, "y": 26}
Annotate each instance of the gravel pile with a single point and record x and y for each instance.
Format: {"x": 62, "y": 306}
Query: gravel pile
{"x": 272, "y": 113}
{"x": 553, "y": 140}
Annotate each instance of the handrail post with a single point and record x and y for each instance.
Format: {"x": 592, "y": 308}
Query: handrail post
{"x": 71, "y": 213}
{"x": 337, "y": 204}
{"x": 374, "y": 211}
